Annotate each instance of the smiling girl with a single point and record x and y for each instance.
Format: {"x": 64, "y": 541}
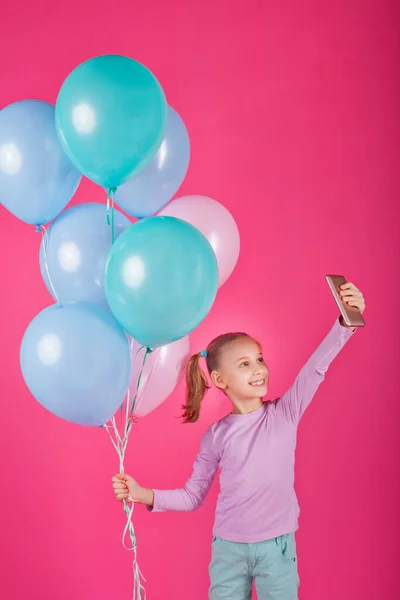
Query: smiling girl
{"x": 254, "y": 448}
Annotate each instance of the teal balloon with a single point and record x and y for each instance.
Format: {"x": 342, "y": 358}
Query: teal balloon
{"x": 161, "y": 280}
{"x": 110, "y": 118}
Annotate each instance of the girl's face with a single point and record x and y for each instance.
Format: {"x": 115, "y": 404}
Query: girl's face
{"x": 242, "y": 372}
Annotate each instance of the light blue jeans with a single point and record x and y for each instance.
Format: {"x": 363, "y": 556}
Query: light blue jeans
{"x": 272, "y": 565}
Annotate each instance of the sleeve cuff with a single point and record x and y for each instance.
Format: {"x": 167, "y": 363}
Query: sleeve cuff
{"x": 156, "y": 504}
{"x": 343, "y": 329}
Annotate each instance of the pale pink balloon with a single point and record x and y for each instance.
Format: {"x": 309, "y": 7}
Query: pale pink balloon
{"x": 161, "y": 374}
{"x": 215, "y": 222}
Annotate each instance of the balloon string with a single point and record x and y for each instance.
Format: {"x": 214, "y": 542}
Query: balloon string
{"x": 153, "y": 366}
{"x": 110, "y": 212}
{"x": 45, "y": 240}
{"x": 136, "y": 393}
{"x": 128, "y": 394}
{"x": 120, "y": 444}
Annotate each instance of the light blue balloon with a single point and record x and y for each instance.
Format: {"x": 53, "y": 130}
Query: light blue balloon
{"x": 110, "y": 116}
{"x": 37, "y": 180}
{"x": 161, "y": 280}
{"x": 76, "y": 362}
{"x": 76, "y": 247}
{"x": 156, "y": 184}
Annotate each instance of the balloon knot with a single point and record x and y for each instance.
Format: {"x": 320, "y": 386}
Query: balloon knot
{"x": 38, "y": 229}
{"x": 133, "y": 420}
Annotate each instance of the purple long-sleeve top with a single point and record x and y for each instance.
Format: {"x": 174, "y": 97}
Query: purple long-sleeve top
{"x": 256, "y": 455}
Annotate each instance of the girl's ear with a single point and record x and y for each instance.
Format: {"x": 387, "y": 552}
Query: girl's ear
{"x": 217, "y": 380}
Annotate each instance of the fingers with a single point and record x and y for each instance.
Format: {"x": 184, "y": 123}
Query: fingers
{"x": 356, "y": 304}
{"x": 352, "y": 296}
{"x": 122, "y": 477}
{"x": 349, "y": 287}
{"x": 121, "y": 494}
{"x": 122, "y": 497}
{"x": 119, "y": 486}
{"x": 352, "y": 292}
{"x": 354, "y": 300}
{"x": 120, "y": 490}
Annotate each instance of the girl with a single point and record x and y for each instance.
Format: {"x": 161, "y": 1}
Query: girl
{"x": 257, "y": 510}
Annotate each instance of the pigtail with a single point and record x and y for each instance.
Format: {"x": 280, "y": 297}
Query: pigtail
{"x": 197, "y": 386}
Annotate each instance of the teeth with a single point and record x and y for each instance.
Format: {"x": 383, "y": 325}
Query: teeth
{"x": 258, "y": 383}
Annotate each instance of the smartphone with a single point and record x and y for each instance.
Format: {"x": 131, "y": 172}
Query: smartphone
{"x": 351, "y": 315}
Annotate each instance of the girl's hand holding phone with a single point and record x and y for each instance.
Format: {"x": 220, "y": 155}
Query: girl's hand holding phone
{"x": 352, "y": 296}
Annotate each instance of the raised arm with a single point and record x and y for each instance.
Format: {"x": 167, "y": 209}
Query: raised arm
{"x": 295, "y": 401}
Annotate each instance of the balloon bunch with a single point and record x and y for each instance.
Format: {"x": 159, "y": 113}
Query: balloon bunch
{"x": 127, "y": 295}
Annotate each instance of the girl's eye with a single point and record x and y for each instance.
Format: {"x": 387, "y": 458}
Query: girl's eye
{"x": 261, "y": 360}
{"x": 244, "y": 364}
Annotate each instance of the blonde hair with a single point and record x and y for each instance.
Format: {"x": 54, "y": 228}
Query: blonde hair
{"x": 196, "y": 379}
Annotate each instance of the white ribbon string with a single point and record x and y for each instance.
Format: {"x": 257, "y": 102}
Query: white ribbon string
{"x": 153, "y": 366}
{"x": 45, "y": 239}
{"x": 120, "y": 442}
{"x": 139, "y": 592}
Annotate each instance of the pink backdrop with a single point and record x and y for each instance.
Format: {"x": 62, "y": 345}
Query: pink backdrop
{"x": 292, "y": 109}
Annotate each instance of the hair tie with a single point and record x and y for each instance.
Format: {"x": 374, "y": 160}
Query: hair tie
{"x": 204, "y": 353}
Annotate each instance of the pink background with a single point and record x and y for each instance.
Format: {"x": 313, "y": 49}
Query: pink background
{"x": 293, "y": 113}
